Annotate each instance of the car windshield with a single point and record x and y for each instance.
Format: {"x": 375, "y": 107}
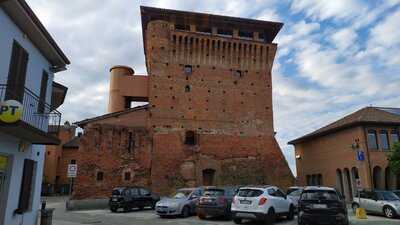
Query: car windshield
{"x": 319, "y": 195}
{"x": 388, "y": 195}
{"x": 214, "y": 192}
{"x": 116, "y": 192}
{"x": 249, "y": 193}
{"x": 296, "y": 193}
{"x": 182, "y": 194}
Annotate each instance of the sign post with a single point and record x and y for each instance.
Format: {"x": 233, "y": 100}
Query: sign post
{"x": 71, "y": 174}
{"x": 360, "y": 211}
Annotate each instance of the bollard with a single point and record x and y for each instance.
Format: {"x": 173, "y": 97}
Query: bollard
{"x": 360, "y": 213}
{"x": 46, "y": 216}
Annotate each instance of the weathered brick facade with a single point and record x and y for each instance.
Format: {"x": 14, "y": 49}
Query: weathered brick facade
{"x": 214, "y": 88}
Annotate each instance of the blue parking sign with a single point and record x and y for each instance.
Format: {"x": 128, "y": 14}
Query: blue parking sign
{"x": 360, "y": 155}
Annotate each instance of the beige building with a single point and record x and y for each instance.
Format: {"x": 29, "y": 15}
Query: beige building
{"x": 328, "y": 156}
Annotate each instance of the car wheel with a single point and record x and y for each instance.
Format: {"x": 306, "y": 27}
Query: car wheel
{"x": 389, "y": 212}
{"x": 113, "y": 209}
{"x": 290, "y": 215}
{"x": 185, "y": 212}
{"x": 354, "y": 206}
{"x": 237, "y": 220}
{"x": 271, "y": 217}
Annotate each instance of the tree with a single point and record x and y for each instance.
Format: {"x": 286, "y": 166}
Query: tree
{"x": 394, "y": 158}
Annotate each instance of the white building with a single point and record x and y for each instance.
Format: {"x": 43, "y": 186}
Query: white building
{"x": 29, "y": 58}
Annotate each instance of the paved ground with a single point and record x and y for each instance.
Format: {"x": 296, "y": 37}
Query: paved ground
{"x": 147, "y": 217}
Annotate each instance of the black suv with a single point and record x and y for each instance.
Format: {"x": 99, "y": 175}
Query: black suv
{"x": 132, "y": 197}
{"x": 216, "y": 201}
{"x": 322, "y": 205}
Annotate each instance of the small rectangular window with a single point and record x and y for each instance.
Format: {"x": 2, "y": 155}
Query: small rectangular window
{"x": 245, "y": 34}
{"x": 73, "y": 161}
{"x": 127, "y": 176}
{"x": 99, "y": 176}
{"x": 43, "y": 92}
{"x": 207, "y": 30}
{"x": 372, "y": 140}
{"x": 188, "y": 70}
{"x": 225, "y": 32}
{"x": 130, "y": 142}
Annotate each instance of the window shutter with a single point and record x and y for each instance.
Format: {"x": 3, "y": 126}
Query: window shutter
{"x": 17, "y": 73}
{"x": 26, "y": 186}
{"x": 43, "y": 90}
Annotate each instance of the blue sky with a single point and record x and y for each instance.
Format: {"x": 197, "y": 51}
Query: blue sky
{"x": 333, "y": 58}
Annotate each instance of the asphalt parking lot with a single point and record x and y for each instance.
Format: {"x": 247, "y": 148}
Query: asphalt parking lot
{"x": 148, "y": 217}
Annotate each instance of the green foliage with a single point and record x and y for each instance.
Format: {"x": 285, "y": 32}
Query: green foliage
{"x": 394, "y": 158}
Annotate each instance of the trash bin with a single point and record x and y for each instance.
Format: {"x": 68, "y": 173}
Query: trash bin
{"x": 46, "y": 216}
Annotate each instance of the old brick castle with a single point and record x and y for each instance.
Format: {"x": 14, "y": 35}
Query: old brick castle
{"x": 208, "y": 118}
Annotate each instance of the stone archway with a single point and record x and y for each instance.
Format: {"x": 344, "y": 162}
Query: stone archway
{"x": 348, "y": 189}
{"x": 339, "y": 181}
{"x": 208, "y": 177}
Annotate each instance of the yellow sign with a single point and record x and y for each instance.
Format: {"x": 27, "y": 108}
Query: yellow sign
{"x": 10, "y": 111}
{"x": 3, "y": 162}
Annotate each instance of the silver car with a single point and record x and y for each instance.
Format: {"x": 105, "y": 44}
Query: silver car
{"x": 294, "y": 196}
{"x": 182, "y": 203}
{"x": 379, "y": 202}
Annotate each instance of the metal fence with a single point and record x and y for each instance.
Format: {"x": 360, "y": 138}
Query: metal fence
{"x": 37, "y": 113}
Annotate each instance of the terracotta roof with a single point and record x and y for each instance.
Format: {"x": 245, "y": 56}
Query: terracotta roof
{"x": 73, "y": 143}
{"x": 367, "y": 115}
{"x": 109, "y": 115}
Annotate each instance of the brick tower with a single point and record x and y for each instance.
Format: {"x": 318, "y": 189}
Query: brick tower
{"x": 209, "y": 118}
{"x": 210, "y": 99}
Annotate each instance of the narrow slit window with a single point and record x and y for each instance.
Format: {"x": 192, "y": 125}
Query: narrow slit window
{"x": 187, "y": 88}
{"x": 99, "y": 176}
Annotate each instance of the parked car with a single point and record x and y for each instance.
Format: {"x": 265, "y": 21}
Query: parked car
{"x": 262, "y": 203}
{"x": 131, "y": 197}
{"x": 323, "y": 205}
{"x": 182, "y": 203}
{"x": 293, "y": 188}
{"x": 216, "y": 201}
{"x": 397, "y": 192}
{"x": 294, "y": 196}
{"x": 379, "y": 202}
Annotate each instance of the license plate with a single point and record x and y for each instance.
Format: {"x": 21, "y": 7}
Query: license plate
{"x": 247, "y": 202}
{"x": 320, "y": 206}
{"x": 245, "y": 215}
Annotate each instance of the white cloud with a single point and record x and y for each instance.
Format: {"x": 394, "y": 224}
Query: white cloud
{"x": 344, "y": 38}
{"x": 322, "y": 10}
{"x": 387, "y": 33}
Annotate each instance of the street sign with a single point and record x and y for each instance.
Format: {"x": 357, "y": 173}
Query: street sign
{"x": 360, "y": 155}
{"x": 358, "y": 183}
{"x": 72, "y": 170}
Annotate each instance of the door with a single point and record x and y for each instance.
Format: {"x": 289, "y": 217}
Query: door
{"x": 208, "y": 177}
{"x": 4, "y": 164}
{"x": 369, "y": 201}
{"x": 279, "y": 200}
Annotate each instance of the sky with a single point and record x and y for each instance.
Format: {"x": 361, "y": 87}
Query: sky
{"x": 334, "y": 57}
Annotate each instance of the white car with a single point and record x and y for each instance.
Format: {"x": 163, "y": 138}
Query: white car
{"x": 262, "y": 203}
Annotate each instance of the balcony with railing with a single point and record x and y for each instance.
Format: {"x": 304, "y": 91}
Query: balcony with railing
{"x": 36, "y": 117}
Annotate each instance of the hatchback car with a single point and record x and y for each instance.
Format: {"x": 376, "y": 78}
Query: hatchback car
{"x": 131, "y": 197}
{"x": 322, "y": 205}
{"x": 294, "y": 196}
{"x": 182, "y": 203}
{"x": 263, "y": 203}
{"x": 216, "y": 201}
{"x": 379, "y": 202}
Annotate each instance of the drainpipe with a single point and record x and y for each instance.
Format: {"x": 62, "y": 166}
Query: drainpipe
{"x": 369, "y": 160}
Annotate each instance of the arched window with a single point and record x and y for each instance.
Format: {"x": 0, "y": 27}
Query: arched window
{"x": 339, "y": 181}
{"x": 187, "y": 88}
{"x": 388, "y": 179}
{"x": 394, "y": 136}
{"x": 127, "y": 176}
{"x": 190, "y": 137}
{"x": 319, "y": 179}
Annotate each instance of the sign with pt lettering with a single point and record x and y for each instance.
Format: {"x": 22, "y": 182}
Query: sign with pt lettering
{"x": 360, "y": 155}
{"x": 10, "y": 111}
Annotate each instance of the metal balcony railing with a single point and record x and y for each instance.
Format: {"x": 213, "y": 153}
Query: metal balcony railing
{"x": 36, "y": 113}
